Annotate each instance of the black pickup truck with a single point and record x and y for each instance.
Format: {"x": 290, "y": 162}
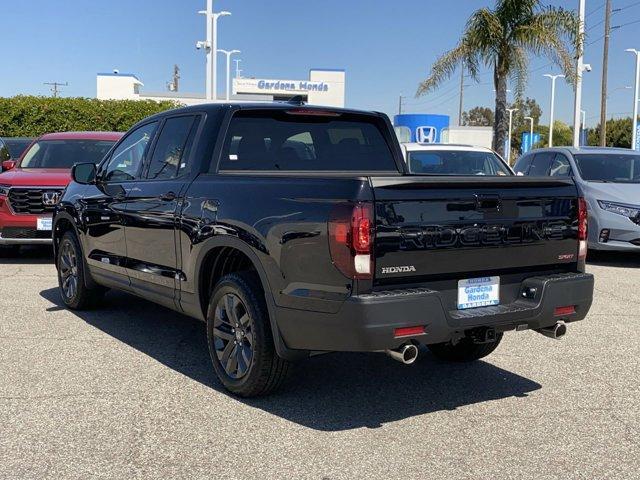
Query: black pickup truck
{"x": 293, "y": 230}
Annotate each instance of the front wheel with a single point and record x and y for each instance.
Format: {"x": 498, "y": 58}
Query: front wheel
{"x": 71, "y": 275}
{"x": 465, "y": 350}
{"x": 240, "y": 339}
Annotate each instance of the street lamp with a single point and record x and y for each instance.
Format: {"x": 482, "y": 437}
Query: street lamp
{"x": 635, "y": 97}
{"x": 530, "y": 131}
{"x": 553, "y": 97}
{"x": 211, "y": 46}
{"x": 510, "y": 110}
{"x": 228, "y": 53}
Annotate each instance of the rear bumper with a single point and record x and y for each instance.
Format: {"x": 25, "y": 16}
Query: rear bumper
{"x": 367, "y": 322}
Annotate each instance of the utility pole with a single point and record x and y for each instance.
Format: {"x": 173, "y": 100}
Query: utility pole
{"x": 510, "y": 110}
{"x": 176, "y": 77}
{"x": 173, "y": 85}
{"x": 55, "y": 90}
{"x": 605, "y": 64}
{"x": 400, "y": 104}
{"x": 461, "y": 94}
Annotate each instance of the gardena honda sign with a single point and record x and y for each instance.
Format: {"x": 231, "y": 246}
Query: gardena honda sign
{"x": 323, "y": 87}
{"x": 258, "y": 85}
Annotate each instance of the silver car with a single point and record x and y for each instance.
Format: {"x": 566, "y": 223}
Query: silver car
{"x": 608, "y": 179}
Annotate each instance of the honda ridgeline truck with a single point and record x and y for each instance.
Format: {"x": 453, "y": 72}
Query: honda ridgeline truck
{"x": 292, "y": 230}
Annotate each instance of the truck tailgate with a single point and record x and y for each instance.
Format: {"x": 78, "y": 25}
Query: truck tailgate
{"x": 469, "y": 226}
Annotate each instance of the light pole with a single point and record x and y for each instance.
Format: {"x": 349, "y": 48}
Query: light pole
{"x": 210, "y": 46}
{"x": 510, "y": 110}
{"x": 580, "y": 68}
{"x": 237, "y": 62}
{"x": 635, "y": 97}
{"x": 228, "y": 53}
{"x": 553, "y": 98}
{"x": 530, "y": 131}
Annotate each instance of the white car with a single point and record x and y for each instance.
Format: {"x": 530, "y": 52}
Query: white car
{"x": 449, "y": 159}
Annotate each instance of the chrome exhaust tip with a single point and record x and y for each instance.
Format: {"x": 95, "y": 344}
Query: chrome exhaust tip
{"x": 556, "y": 332}
{"x": 407, "y": 353}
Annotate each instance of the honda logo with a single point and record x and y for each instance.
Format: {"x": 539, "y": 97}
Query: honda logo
{"x": 50, "y": 198}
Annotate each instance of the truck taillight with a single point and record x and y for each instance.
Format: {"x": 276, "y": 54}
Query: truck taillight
{"x": 350, "y": 239}
{"x": 582, "y": 227}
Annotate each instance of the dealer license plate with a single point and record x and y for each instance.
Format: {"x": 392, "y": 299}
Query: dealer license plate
{"x": 478, "y": 292}
{"x": 44, "y": 223}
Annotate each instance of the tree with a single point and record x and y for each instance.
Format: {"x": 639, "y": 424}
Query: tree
{"x": 618, "y": 133}
{"x": 502, "y": 39}
{"x": 478, "y": 117}
{"x": 562, "y": 135}
{"x": 526, "y": 108}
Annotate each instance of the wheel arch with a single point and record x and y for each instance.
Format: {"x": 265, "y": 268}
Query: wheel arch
{"x": 227, "y": 255}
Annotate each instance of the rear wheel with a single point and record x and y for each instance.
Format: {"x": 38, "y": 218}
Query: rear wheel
{"x": 240, "y": 339}
{"x": 465, "y": 350}
{"x": 71, "y": 275}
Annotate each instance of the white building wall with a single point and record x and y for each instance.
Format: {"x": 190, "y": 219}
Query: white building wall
{"x": 323, "y": 87}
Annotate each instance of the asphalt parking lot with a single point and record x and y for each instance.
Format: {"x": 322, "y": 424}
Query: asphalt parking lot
{"x": 127, "y": 392}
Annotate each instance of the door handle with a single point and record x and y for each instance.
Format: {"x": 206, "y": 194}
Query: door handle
{"x": 167, "y": 197}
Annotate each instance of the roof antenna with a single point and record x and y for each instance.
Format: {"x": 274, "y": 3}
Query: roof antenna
{"x": 296, "y": 100}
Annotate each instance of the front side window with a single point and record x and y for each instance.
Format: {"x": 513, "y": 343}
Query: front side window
{"x": 455, "y": 162}
{"x": 285, "y": 141}
{"x": 126, "y": 161}
{"x": 64, "y": 153}
{"x": 609, "y": 167}
{"x": 170, "y": 153}
{"x": 523, "y": 164}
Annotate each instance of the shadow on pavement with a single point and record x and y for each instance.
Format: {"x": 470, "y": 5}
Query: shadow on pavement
{"x": 28, "y": 255}
{"x": 328, "y": 392}
{"x": 614, "y": 259}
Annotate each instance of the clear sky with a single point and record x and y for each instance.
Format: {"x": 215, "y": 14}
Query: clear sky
{"x": 385, "y": 46}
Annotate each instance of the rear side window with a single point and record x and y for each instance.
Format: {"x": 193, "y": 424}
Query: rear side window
{"x": 169, "y": 158}
{"x": 560, "y": 166}
{"x": 281, "y": 141}
{"x": 541, "y": 164}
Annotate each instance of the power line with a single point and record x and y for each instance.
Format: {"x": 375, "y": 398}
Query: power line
{"x": 594, "y": 10}
{"x": 626, "y": 24}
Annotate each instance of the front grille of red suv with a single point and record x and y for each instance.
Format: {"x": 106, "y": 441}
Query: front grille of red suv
{"x": 24, "y": 233}
{"x": 28, "y": 200}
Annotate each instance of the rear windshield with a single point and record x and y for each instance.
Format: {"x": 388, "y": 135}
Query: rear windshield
{"x": 460, "y": 162}
{"x": 64, "y": 153}
{"x": 614, "y": 168}
{"x": 281, "y": 141}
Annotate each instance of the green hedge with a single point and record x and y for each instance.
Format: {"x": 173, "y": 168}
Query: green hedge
{"x": 25, "y": 116}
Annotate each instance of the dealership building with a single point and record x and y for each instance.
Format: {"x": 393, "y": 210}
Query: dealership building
{"x": 323, "y": 87}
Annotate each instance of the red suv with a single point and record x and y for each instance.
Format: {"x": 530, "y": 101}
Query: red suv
{"x": 30, "y": 190}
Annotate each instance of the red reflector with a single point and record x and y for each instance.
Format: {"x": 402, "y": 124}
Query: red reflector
{"x": 408, "y": 331}
{"x": 562, "y": 311}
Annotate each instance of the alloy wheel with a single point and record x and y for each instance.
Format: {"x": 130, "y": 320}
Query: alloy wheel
{"x": 233, "y": 336}
{"x": 68, "y": 270}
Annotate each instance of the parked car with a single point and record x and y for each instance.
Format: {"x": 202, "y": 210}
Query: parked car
{"x": 217, "y": 212}
{"x": 608, "y": 179}
{"x": 30, "y": 190}
{"x": 10, "y": 150}
{"x": 448, "y": 159}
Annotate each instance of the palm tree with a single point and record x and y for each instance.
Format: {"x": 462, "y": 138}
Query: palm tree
{"x": 503, "y": 39}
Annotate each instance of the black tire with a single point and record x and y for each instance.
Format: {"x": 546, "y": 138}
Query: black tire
{"x": 240, "y": 338}
{"x": 71, "y": 275}
{"x": 465, "y": 350}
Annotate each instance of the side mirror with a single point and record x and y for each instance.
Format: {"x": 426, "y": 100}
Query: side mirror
{"x": 8, "y": 165}
{"x": 84, "y": 173}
